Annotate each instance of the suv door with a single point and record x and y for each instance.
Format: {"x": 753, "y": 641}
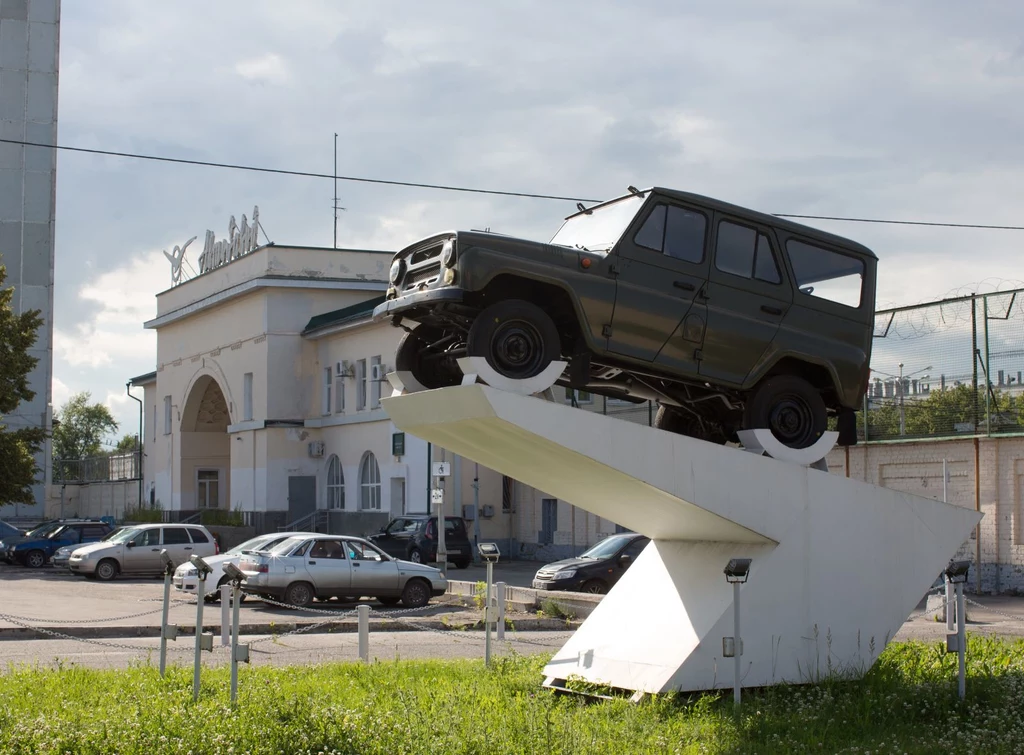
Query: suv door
{"x": 203, "y": 545}
{"x": 626, "y": 558}
{"x": 663, "y": 269}
{"x": 395, "y": 538}
{"x": 748, "y": 297}
{"x": 328, "y": 567}
{"x": 178, "y": 544}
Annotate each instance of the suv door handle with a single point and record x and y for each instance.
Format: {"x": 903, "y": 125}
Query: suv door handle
{"x": 771, "y": 310}
{"x": 683, "y": 285}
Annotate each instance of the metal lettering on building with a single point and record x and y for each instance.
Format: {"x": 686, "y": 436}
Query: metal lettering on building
{"x": 240, "y": 241}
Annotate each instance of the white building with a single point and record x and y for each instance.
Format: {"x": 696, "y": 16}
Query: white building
{"x": 266, "y": 401}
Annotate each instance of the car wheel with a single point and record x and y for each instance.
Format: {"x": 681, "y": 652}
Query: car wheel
{"x": 462, "y": 563}
{"x": 594, "y": 587}
{"x": 517, "y": 338}
{"x": 299, "y": 594}
{"x": 388, "y": 601}
{"x": 35, "y": 559}
{"x": 106, "y": 569}
{"x": 416, "y": 556}
{"x": 682, "y": 422}
{"x": 790, "y": 407}
{"x": 423, "y": 354}
{"x": 416, "y": 593}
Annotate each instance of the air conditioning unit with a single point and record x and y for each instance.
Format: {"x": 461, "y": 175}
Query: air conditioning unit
{"x": 316, "y": 448}
{"x": 342, "y": 369}
{"x": 487, "y": 510}
{"x": 378, "y": 372}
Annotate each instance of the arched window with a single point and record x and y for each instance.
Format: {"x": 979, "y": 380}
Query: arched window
{"x": 369, "y": 482}
{"x": 335, "y": 484}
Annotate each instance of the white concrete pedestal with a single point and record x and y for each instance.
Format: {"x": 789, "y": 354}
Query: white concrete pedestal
{"x": 837, "y": 564}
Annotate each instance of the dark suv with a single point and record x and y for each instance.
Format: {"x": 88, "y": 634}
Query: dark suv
{"x": 414, "y": 538}
{"x": 595, "y": 570}
{"x": 728, "y": 318}
{"x": 36, "y": 551}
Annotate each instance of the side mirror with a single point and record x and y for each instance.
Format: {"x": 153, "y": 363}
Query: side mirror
{"x": 625, "y": 557}
{"x": 130, "y": 544}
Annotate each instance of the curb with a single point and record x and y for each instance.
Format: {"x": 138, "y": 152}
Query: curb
{"x": 277, "y": 627}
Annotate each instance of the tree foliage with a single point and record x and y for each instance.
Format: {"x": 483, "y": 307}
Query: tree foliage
{"x": 127, "y": 444}
{"x": 79, "y": 428}
{"x": 18, "y": 334}
{"x": 946, "y": 412}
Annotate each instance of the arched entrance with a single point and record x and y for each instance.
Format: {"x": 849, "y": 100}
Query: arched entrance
{"x": 205, "y": 447}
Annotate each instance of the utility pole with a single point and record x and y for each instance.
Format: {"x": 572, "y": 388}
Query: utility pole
{"x": 335, "y": 203}
{"x": 903, "y": 419}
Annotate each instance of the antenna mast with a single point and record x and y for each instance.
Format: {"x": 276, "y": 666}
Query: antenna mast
{"x": 335, "y": 189}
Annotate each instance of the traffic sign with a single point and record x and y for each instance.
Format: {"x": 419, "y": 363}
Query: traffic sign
{"x": 437, "y": 495}
{"x": 441, "y": 468}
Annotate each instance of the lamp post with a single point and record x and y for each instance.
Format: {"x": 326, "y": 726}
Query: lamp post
{"x": 956, "y": 573}
{"x": 736, "y": 572}
{"x": 902, "y": 391}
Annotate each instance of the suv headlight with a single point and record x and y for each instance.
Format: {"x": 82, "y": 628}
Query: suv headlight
{"x": 397, "y": 271}
{"x": 565, "y": 574}
{"x": 448, "y": 253}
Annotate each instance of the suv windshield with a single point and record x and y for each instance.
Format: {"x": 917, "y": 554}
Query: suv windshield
{"x": 605, "y": 548}
{"x": 43, "y": 529}
{"x": 598, "y": 229}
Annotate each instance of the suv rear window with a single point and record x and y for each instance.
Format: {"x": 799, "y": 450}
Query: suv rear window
{"x": 175, "y": 536}
{"x": 198, "y": 536}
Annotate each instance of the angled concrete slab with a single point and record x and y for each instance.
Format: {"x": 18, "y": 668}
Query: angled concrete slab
{"x": 838, "y": 564}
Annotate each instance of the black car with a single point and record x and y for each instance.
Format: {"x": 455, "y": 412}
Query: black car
{"x": 414, "y": 538}
{"x": 595, "y": 570}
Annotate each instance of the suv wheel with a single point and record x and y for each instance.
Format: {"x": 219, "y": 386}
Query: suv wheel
{"x": 431, "y": 367}
{"x": 416, "y": 556}
{"x": 790, "y": 407}
{"x": 35, "y": 559}
{"x": 518, "y": 339}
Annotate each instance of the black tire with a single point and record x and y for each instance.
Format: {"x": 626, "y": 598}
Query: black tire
{"x": 682, "y": 422}
{"x": 416, "y": 593}
{"x": 106, "y": 570}
{"x": 517, "y": 338}
{"x": 35, "y": 559}
{"x": 594, "y": 587}
{"x": 790, "y": 407}
{"x": 299, "y": 594}
{"x": 416, "y": 556}
{"x": 429, "y": 368}
{"x": 462, "y": 563}
{"x": 389, "y": 601}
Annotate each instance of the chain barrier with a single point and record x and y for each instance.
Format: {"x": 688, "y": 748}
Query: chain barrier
{"x": 75, "y": 622}
{"x": 997, "y": 613}
{"x": 62, "y": 636}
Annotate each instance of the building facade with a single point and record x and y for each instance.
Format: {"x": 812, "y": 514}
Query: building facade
{"x": 29, "y": 53}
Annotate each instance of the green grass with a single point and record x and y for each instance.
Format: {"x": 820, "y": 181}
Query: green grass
{"x": 906, "y": 704}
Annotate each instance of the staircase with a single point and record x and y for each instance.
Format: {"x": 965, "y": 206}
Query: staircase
{"x": 318, "y": 521}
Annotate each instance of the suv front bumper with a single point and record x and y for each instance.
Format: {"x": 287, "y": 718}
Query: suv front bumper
{"x": 405, "y": 302}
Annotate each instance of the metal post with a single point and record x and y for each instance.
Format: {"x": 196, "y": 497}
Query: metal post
{"x": 988, "y": 377}
{"x": 236, "y": 593}
{"x": 499, "y": 592}
{"x": 363, "y": 612}
{"x": 903, "y": 421}
{"x": 200, "y": 599}
{"x": 487, "y": 615}
{"x": 950, "y": 592}
{"x": 961, "y": 634}
{"x": 737, "y": 642}
{"x": 163, "y": 621}
{"x": 225, "y": 616}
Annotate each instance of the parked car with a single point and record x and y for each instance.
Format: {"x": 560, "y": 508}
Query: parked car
{"x": 9, "y": 530}
{"x": 186, "y": 577}
{"x": 729, "y": 318}
{"x": 303, "y": 568}
{"x": 415, "y": 538}
{"x": 135, "y": 551}
{"x": 595, "y": 570}
{"x": 62, "y": 557}
{"x": 35, "y": 552}
{"x": 39, "y": 531}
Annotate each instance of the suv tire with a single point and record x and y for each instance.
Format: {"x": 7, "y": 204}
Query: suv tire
{"x": 106, "y": 570}
{"x": 430, "y": 372}
{"x": 790, "y": 407}
{"x": 681, "y": 422}
{"x": 416, "y": 556}
{"x": 516, "y": 337}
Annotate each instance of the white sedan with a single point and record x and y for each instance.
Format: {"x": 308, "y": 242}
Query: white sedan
{"x": 186, "y": 577}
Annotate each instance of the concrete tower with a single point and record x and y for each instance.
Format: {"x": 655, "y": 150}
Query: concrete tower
{"x": 29, "y": 44}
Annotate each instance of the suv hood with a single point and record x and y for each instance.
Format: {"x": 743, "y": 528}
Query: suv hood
{"x": 569, "y": 563}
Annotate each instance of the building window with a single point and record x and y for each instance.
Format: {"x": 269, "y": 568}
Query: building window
{"x": 167, "y": 415}
{"x": 507, "y": 494}
{"x": 247, "y": 396}
{"x": 325, "y": 409}
{"x": 208, "y": 489}
{"x": 369, "y": 482}
{"x": 360, "y": 385}
{"x": 339, "y": 393}
{"x": 375, "y": 383}
{"x": 335, "y": 484}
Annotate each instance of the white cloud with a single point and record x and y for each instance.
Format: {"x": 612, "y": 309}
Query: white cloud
{"x": 269, "y": 69}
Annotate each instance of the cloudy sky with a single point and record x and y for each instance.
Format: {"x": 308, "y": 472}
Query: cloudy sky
{"x": 867, "y": 109}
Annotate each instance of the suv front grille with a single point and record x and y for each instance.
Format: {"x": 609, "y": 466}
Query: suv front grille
{"x": 424, "y": 268}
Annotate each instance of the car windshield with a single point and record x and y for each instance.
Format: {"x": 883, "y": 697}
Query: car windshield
{"x": 124, "y": 535}
{"x": 599, "y": 229}
{"x": 251, "y": 545}
{"x": 286, "y": 545}
{"x": 43, "y": 529}
{"x": 607, "y": 547}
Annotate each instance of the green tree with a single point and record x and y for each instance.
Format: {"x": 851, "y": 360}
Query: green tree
{"x": 78, "y": 432}
{"x": 127, "y": 444}
{"x": 18, "y": 468}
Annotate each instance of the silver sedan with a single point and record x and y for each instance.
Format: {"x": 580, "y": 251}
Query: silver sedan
{"x": 305, "y": 568}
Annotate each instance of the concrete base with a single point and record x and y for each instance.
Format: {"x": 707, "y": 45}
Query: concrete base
{"x": 837, "y": 564}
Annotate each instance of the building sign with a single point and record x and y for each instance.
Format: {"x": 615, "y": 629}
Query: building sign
{"x": 398, "y": 444}
{"x": 240, "y": 241}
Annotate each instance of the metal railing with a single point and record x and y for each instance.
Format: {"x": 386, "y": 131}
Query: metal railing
{"x": 112, "y": 468}
{"x": 318, "y": 521}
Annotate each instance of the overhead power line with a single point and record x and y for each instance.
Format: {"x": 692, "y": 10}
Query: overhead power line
{"x": 466, "y": 189}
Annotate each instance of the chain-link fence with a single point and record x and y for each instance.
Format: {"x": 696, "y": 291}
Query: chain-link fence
{"x": 106, "y": 468}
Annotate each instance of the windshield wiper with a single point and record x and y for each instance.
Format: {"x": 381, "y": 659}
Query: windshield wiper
{"x": 580, "y": 246}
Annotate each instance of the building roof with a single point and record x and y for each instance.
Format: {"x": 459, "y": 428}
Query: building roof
{"x": 353, "y": 313}
{"x": 149, "y": 377}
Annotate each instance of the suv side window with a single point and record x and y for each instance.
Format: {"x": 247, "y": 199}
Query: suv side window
{"x": 836, "y": 277}
{"x": 634, "y": 548}
{"x": 675, "y": 232}
{"x": 742, "y": 251}
{"x": 175, "y": 536}
{"x": 148, "y": 537}
{"x": 198, "y": 536}
{"x": 95, "y": 530}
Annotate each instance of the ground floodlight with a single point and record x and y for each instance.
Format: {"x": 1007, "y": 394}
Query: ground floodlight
{"x": 165, "y": 559}
{"x": 957, "y": 571}
{"x": 202, "y": 567}
{"x": 489, "y": 551}
{"x": 737, "y": 569}
{"x": 234, "y": 573}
